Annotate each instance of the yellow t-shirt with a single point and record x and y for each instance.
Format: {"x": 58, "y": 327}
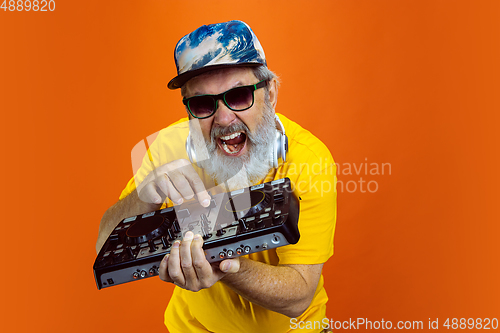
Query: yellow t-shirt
{"x": 312, "y": 172}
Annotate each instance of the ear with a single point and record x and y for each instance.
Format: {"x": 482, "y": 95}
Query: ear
{"x": 273, "y": 92}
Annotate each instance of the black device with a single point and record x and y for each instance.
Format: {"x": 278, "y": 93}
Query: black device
{"x": 235, "y": 223}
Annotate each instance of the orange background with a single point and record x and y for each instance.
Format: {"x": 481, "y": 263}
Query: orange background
{"x": 411, "y": 83}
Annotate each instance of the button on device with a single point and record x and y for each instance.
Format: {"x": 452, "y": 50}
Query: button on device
{"x": 165, "y": 243}
{"x": 130, "y": 219}
{"x": 278, "y": 181}
{"x": 176, "y": 226}
{"x": 206, "y": 235}
{"x": 152, "y": 247}
{"x": 166, "y": 210}
{"x": 279, "y": 197}
{"x": 257, "y": 187}
{"x": 148, "y": 215}
{"x": 243, "y": 226}
{"x": 277, "y": 219}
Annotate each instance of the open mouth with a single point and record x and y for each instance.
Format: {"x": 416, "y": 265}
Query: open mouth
{"x": 232, "y": 144}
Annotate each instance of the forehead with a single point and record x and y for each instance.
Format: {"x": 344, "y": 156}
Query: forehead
{"x": 219, "y": 81}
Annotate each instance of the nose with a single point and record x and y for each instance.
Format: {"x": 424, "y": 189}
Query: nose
{"x": 223, "y": 115}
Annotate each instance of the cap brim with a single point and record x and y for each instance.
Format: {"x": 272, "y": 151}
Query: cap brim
{"x": 181, "y": 79}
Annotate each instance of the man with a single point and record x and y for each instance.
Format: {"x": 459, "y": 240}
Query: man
{"x": 230, "y": 97}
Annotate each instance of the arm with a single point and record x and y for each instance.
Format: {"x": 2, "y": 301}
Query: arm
{"x": 129, "y": 206}
{"x": 287, "y": 289}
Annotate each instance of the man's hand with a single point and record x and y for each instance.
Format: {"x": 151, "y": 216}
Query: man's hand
{"x": 187, "y": 267}
{"x": 176, "y": 180}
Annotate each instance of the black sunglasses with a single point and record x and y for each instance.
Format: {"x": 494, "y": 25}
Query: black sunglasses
{"x": 236, "y": 99}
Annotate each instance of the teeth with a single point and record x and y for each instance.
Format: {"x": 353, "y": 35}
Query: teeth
{"x": 224, "y": 146}
{"x": 231, "y": 136}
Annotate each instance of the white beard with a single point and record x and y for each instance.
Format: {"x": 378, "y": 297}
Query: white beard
{"x": 240, "y": 171}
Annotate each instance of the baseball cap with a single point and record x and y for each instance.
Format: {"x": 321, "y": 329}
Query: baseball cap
{"x": 216, "y": 46}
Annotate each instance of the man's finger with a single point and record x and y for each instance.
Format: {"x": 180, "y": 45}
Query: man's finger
{"x": 182, "y": 184}
{"x": 230, "y": 265}
{"x": 197, "y": 185}
{"x": 163, "y": 270}
{"x": 186, "y": 260}
{"x": 166, "y": 185}
{"x": 162, "y": 183}
{"x": 150, "y": 194}
{"x": 201, "y": 266}
{"x": 174, "y": 265}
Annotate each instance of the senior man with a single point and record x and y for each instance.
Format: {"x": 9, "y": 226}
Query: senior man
{"x": 237, "y": 139}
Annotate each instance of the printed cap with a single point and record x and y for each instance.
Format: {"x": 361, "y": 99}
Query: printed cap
{"x": 215, "y": 46}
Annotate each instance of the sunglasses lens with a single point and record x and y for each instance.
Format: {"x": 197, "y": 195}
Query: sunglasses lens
{"x": 201, "y": 106}
{"x": 239, "y": 98}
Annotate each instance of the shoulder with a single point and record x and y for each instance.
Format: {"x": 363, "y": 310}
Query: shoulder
{"x": 180, "y": 127}
{"x": 175, "y": 133}
{"x": 168, "y": 144}
{"x": 303, "y": 145}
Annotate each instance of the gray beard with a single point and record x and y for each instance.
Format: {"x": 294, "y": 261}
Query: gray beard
{"x": 239, "y": 171}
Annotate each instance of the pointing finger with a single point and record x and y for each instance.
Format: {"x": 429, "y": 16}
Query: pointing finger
{"x": 197, "y": 185}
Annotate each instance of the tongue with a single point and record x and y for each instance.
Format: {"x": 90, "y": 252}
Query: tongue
{"x": 236, "y": 140}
